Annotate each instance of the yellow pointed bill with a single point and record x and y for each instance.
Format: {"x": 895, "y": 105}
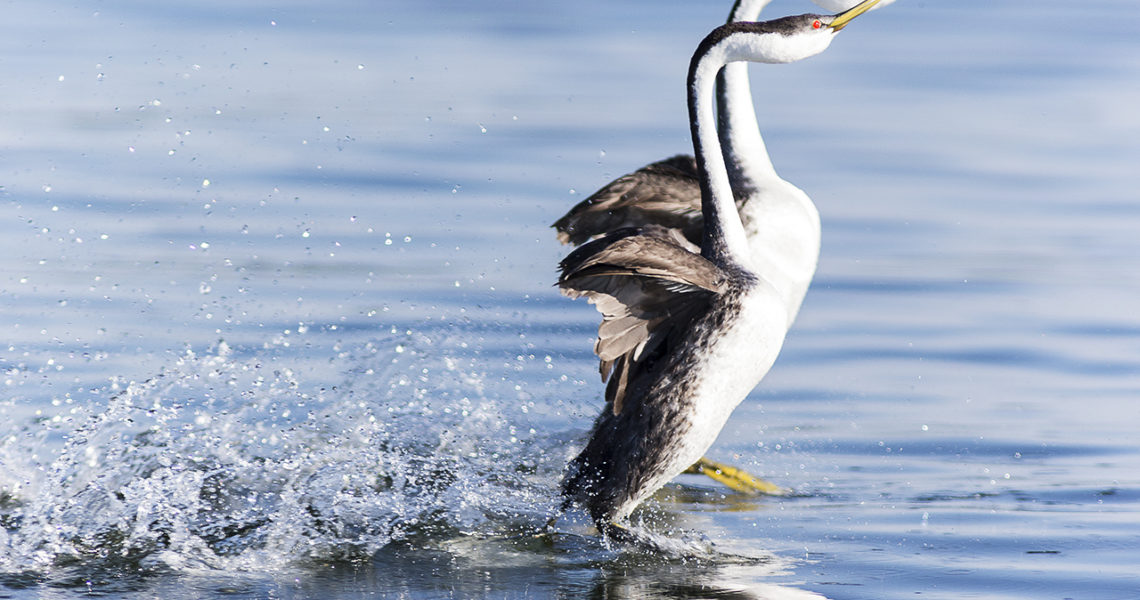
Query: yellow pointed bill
{"x": 842, "y": 19}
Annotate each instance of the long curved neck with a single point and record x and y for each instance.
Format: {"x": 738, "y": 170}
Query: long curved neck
{"x": 746, "y": 10}
{"x": 724, "y": 238}
{"x": 785, "y": 40}
{"x": 746, "y": 155}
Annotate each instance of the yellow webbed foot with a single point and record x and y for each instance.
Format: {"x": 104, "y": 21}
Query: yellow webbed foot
{"x": 736, "y": 479}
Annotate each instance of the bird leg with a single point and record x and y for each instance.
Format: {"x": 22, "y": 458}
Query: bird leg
{"x": 735, "y": 478}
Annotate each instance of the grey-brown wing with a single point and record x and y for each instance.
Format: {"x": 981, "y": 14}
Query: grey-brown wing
{"x": 665, "y": 193}
{"x": 648, "y": 284}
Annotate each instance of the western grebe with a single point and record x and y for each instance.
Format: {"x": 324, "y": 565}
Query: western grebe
{"x": 780, "y": 220}
{"x": 684, "y": 336}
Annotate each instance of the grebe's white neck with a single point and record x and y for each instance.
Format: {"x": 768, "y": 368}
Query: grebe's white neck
{"x": 780, "y": 41}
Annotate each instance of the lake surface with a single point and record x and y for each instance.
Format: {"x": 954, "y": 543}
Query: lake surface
{"x": 279, "y": 320}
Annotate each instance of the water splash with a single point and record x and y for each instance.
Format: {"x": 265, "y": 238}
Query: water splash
{"x": 230, "y": 462}
{"x": 440, "y": 448}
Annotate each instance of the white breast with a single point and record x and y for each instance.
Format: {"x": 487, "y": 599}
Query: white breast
{"x": 783, "y": 233}
{"x": 732, "y": 365}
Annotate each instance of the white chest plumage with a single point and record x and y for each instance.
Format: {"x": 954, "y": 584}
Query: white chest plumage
{"x": 734, "y": 360}
{"x": 783, "y": 230}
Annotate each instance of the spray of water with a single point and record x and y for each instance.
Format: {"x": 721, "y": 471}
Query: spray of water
{"x": 228, "y": 462}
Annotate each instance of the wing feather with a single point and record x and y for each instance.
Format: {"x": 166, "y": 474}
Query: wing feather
{"x": 665, "y": 193}
{"x": 647, "y": 283}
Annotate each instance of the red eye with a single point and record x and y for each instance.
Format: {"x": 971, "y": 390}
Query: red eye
{"x": 817, "y": 24}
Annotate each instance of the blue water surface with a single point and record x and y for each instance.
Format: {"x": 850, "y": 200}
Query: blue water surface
{"x": 278, "y": 316}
